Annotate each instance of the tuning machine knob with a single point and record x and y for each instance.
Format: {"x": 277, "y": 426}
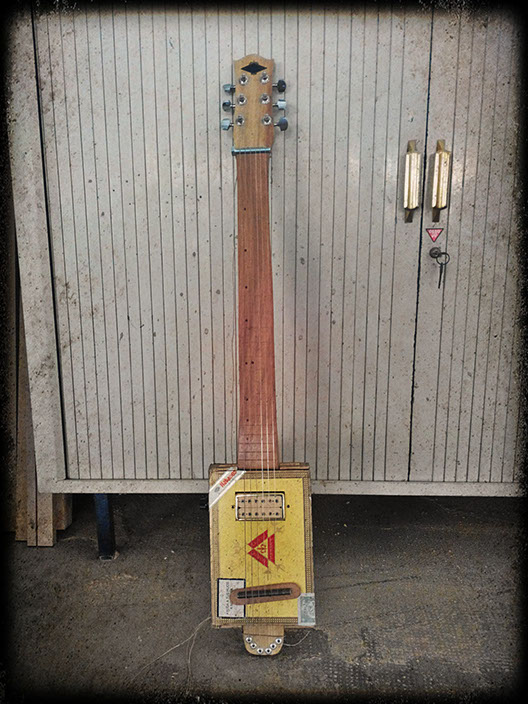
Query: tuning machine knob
{"x": 282, "y": 124}
{"x": 226, "y": 123}
{"x": 227, "y": 105}
{"x": 280, "y": 85}
{"x": 229, "y": 87}
{"x": 280, "y": 104}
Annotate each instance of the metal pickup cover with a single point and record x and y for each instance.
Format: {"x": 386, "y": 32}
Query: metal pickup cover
{"x": 259, "y": 506}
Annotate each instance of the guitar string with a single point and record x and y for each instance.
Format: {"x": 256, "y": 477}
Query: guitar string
{"x": 247, "y": 167}
{"x": 274, "y": 402}
{"x": 240, "y": 372}
{"x": 249, "y": 408}
{"x": 269, "y": 350}
{"x": 264, "y": 457}
{"x": 250, "y": 376}
{"x": 265, "y": 237}
{"x": 265, "y": 180}
{"x": 269, "y": 355}
{"x": 272, "y": 397}
{"x": 254, "y": 387}
{"x": 258, "y": 350}
{"x": 250, "y": 387}
{"x": 266, "y": 256}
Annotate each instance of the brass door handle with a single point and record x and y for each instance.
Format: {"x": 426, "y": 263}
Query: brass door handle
{"x": 442, "y": 168}
{"x": 411, "y": 193}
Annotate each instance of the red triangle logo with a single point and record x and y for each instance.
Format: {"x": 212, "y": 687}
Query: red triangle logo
{"x": 434, "y": 232}
{"x": 263, "y": 548}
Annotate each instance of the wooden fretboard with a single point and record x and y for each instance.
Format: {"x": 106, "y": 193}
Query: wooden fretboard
{"x": 257, "y": 429}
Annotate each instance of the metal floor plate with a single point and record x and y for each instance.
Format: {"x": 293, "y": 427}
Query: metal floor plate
{"x": 413, "y": 596}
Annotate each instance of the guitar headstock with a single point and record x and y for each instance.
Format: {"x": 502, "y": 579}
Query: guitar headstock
{"x": 252, "y": 104}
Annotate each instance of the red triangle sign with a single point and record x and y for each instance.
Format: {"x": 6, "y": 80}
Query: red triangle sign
{"x": 434, "y": 232}
{"x": 263, "y": 548}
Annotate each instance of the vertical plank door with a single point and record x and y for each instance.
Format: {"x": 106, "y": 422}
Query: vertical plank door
{"x": 466, "y": 392}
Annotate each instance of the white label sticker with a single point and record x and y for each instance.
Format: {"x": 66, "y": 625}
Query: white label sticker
{"x": 306, "y": 609}
{"x": 226, "y": 609}
{"x": 225, "y": 482}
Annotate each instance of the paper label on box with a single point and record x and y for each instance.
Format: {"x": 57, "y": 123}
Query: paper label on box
{"x": 226, "y": 609}
{"x": 225, "y": 482}
{"x": 306, "y": 609}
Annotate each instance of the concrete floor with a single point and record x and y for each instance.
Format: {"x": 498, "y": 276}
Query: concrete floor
{"x": 415, "y": 596}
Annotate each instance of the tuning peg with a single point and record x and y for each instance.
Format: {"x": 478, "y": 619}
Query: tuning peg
{"x": 226, "y": 123}
{"x": 280, "y": 85}
{"x": 280, "y": 104}
{"x": 227, "y": 105}
{"x": 282, "y": 124}
{"x": 229, "y": 87}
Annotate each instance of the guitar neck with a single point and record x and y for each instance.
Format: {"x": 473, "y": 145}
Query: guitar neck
{"x": 257, "y": 430}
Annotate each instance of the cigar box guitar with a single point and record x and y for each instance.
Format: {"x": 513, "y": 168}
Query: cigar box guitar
{"x": 260, "y": 508}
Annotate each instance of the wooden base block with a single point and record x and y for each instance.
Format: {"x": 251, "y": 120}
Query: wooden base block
{"x": 62, "y": 511}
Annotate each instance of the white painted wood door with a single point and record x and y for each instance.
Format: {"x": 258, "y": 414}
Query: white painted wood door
{"x": 140, "y": 240}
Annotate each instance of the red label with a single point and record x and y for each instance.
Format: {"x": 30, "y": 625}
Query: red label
{"x": 263, "y": 548}
{"x": 434, "y": 232}
{"x": 224, "y": 481}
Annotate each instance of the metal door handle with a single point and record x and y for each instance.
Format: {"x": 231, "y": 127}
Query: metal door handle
{"x": 442, "y": 167}
{"x": 411, "y": 194}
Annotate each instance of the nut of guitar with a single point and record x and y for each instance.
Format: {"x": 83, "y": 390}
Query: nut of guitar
{"x": 259, "y": 506}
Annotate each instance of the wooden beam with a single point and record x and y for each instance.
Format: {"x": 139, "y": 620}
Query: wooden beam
{"x": 38, "y": 514}
{"x": 26, "y": 469}
{"x": 62, "y": 510}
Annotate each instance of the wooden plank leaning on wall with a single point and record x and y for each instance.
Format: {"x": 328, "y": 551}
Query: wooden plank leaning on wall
{"x": 34, "y": 517}
{"x": 38, "y": 516}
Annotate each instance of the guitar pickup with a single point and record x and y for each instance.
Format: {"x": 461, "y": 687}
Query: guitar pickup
{"x": 259, "y": 506}
{"x": 264, "y": 593}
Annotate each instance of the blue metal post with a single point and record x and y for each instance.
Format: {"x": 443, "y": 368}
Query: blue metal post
{"x": 105, "y": 527}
